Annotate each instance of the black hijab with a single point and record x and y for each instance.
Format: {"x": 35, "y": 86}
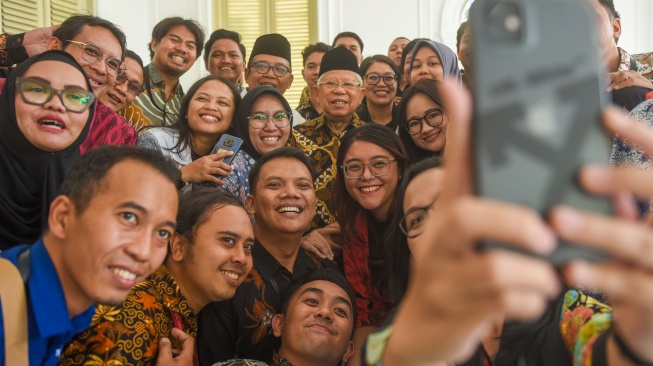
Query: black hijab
{"x": 29, "y": 177}
{"x": 241, "y": 122}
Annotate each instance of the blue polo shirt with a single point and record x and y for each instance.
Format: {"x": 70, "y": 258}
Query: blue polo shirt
{"x": 50, "y": 326}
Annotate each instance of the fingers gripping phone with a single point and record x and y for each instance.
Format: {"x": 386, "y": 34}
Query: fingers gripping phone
{"x": 227, "y": 143}
{"x": 537, "y": 100}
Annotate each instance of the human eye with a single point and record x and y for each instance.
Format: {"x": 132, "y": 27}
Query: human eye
{"x": 341, "y": 312}
{"x": 433, "y": 63}
{"x": 164, "y": 234}
{"x": 33, "y": 87}
{"x": 380, "y": 163}
{"x": 273, "y": 185}
{"x": 201, "y": 98}
{"x": 280, "y": 69}
{"x": 389, "y": 78}
{"x": 305, "y": 185}
{"x": 191, "y": 46}
{"x": 93, "y": 51}
{"x": 348, "y": 85}
{"x": 413, "y": 122}
{"x": 129, "y": 217}
{"x": 311, "y": 301}
{"x": 174, "y": 40}
{"x": 354, "y": 167}
{"x": 229, "y": 240}
{"x": 415, "y": 219}
{"x": 433, "y": 115}
{"x": 134, "y": 88}
{"x": 113, "y": 63}
{"x": 331, "y": 84}
{"x": 259, "y": 117}
{"x": 282, "y": 116}
{"x": 373, "y": 78}
{"x": 248, "y": 247}
{"x": 76, "y": 96}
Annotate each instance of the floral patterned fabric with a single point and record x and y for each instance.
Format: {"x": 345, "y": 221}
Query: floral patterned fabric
{"x": 317, "y": 140}
{"x": 129, "y": 334}
{"x": 237, "y": 182}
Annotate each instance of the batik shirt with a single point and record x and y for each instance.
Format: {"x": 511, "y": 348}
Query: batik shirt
{"x": 643, "y": 63}
{"x": 242, "y": 326}
{"x": 305, "y": 108}
{"x": 129, "y": 334}
{"x": 317, "y": 140}
{"x": 153, "y": 109}
{"x": 277, "y": 360}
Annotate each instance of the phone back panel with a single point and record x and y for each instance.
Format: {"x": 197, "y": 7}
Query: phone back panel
{"x": 538, "y": 94}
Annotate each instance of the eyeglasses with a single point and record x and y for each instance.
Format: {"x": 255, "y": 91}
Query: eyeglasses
{"x": 133, "y": 87}
{"x": 374, "y": 79}
{"x": 433, "y": 118}
{"x": 332, "y": 84}
{"x": 36, "y": 92}
{"x": 412, "y": 224}
{"x": 263, "y": 68}
{"x": 378, "y": 168}
{"x": 260, "y": 120}
{"x": 92, "y": 53}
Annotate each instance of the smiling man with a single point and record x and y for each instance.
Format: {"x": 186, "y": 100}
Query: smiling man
{"x": 176, "y": 44}
{"x": 224, "y": 55}
{"x": 282, "y": 199}
{"x": 208, "y": 257}
{"x": 128, "y": 85}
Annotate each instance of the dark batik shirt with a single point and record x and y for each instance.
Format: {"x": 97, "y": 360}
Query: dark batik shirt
{"x": 317, "y": 140}
{"x": 242, "y": 326}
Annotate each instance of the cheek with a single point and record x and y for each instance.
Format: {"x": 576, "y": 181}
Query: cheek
{"x": 76, "y": 122}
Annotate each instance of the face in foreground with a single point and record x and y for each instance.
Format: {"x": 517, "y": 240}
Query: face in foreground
{"x": 429, "y": 138}
{"x": 121, "y": 237}
{"x": 220, "y": 257}
{"x": 317, "y": 326}
{"x": 422, "y": 192}
{"x": 284, "y": 201}
{"x": 51, "y": 127}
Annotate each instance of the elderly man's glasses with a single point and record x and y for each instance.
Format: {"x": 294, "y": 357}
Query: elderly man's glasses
{"x": 378, "y": 168}
{"x": 413, "y": 222}
{"x": 433, "y": 118}
{"x": 259, "y": 120}
{"x": 332, "y": 84}
{"x": 263, "y": 68}
{"x": 133, "y": 87}
{"x": 36, "y": 92}
{"x": 92, "y": 53}
{"x": 388, "y": 80}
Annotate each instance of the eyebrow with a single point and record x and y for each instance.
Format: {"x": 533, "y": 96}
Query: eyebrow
{"x": 50, "y": 84}
{"x": 230, "y": 233}
{"x": 318, "y": 291}
{"x": 135, "y": 206}
{"x": 375, "y": 157}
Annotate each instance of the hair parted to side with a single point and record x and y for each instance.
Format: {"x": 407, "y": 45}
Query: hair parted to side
{"x": 72, "y": 26}
{"x": 282, "y": 152}
{"x": 223, "y": 34}
{"x": 163, "y": 27}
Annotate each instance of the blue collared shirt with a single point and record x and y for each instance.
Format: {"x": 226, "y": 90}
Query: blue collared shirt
{"x": 50, "y": 326}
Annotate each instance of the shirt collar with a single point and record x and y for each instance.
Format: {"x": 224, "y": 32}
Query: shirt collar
{"x": 321, "y": 123}
{"x": 157, "y": 79}
{"x": 267, "y": 265}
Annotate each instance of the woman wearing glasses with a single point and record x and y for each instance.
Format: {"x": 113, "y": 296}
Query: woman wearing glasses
{"x": 371, "y": 160}
{"x": 204, "y": 115}
{"x": 380, "y": 76}
{"x": 264, "y": 122}
{"x": 423, "y": 120}
{"x": 46, "y": 107}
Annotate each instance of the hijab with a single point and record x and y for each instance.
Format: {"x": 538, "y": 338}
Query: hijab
{"x": 241, "y": 122}
{"x": 447, "y": 57}
{"x": 30, "y": 178}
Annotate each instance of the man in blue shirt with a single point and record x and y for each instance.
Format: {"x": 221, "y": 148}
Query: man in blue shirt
{"x": 107, "y": 230}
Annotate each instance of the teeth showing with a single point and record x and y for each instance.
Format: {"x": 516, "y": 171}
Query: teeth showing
{"x": 94, "y": 82}
{"x": 178, "y": 59}
{"x": 225, "y": 68}
{"x": 339, "y": 102}
{"x": 114, "y": 98}
{"x": 381, "y": 93}
{"x": 122, "y": 273}
{"x": 270, "y": 139}
{"x": 52, "y": 124}
{"x": 233, "y": 276}
{"x": 370, "y": 189}
{"x": 288, "y": 209}
{"x": 210, "y": 117}
{"x": 432, "y": 137}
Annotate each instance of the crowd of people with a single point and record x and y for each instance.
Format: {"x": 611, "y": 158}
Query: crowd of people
{"x": 344, "y": 229}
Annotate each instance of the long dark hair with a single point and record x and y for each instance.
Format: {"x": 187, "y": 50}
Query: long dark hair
{"x": 344, "y": 206}
{"x": 430, "y": 88}
{"x": 181, "y": 126}
{"x": 395, "y": 243}
{"x": 371, "y": 60}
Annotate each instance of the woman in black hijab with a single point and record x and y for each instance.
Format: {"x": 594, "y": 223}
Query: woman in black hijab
{"x": 264, "y": 121}
{"x": 46, "y": 107}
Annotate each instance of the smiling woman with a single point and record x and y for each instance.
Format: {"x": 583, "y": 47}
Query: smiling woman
{"x": 45, "y": 108}
{"x": 206, "y": 113}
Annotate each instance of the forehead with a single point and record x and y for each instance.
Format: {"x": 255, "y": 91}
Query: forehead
{"x": 121, "y": 181}
{"x": 225, "y": 45}
{"x": 361, "y": 149}
{"x": 288, "y": 168}
{"x": 272, "y": 60}
{"x": 53, "y": 71}
{"x": 379, "y": 66}
{"x": 227, "y": 218}
{"x": 267, "y": 100}
{"x": 401, "y": 42}
{"x": 134, "y": 69}
{"x": 329, "y": 290}
{"x": 339, "y": 75}
{"x": 102, "y": 37}
{"x": 315, "y": 57}
{"x": 422, "y": 190}
{"x": 347, "y": 41}
{"x": 215, "y": 88}
{"x": 425, "y": 52}
{"x": 182, "y": 32}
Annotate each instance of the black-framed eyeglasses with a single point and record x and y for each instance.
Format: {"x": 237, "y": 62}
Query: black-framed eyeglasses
{"x": 36, "y": 92}
{"x": 378, "y": 168}
{"x": 333, "y": 84}
{"x": 413, "y": 222}
{"x": 133, "y": 87}
{"x": 93, "y": 53}
{"x": 388, "y": 80}
{"x": 433, "y": 118}
{"x": 259, "y": 120}
{"x": 263, "y": 68}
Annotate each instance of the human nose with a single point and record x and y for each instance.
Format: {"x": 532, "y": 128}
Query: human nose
{"x": 367, "y": 172}
{"x": 238, "y": 255}
{"x": 55, "y": 103}
{"x": 140, "y": 247}
{"x": 324, "y": 311}
{"x": 269, "y": 124}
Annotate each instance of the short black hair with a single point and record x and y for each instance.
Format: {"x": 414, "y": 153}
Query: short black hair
{"x": 609, "y": 6}
{"x": 348, "y": 34}
{"x": 86, "y": 175}
{"x": 163, "y": 27}
{"x": 370, "y": 60}
{"x": 459, "y": 34}
{"x": 196, "y": 206}
{"x": 131, "y": 54}
{"x": 282, "y": 152}
{"x": 312, "y": 48}
{"x": 223, "y": 34}
{"x": 320, "y": 274}
{"x": 72, "y": 26}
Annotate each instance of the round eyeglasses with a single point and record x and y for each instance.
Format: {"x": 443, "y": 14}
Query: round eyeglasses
{"x": 36, "y": 92}
{"x": 133, "y": 87}
{"x": 92, "y": 53}
{"x": 413, "y": 222}
{"x": 259, "y": 120}
{"x": 333, "y": 84}
{"x": 378, "y": 168}
{"x": 433, "y": 118}
{"x": 263, "y": 68}
{"x": 388, "y": 80}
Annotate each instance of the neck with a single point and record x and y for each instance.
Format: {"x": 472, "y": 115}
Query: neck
{"x": 170, "y": 80}
{"x": 283, "y": 247}
{"x": 492, "y": 341}
{"x": 338, "y": 124}
{"x": 381, "y": 114}
{"x": 178, "y": 273}
{"x": 615, "y": 60}
{"x": 76, "y": 301}
{"x": 202, "y": 145}
{"x": 305, "y": 359}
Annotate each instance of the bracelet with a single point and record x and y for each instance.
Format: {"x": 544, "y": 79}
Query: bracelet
{"x": 626, "y": 352}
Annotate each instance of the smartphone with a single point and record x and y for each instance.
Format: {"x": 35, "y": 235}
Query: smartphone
{"x": 538, "y": 94}
{"x": 227, "y": 143}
